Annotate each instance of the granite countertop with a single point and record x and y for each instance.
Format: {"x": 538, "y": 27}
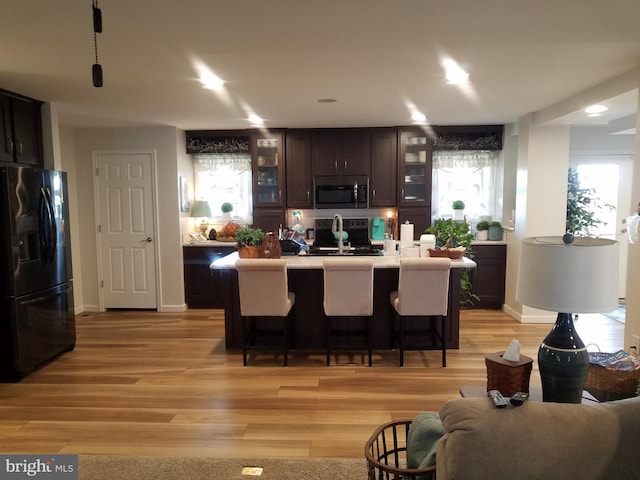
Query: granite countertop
{"x": 315, "y": 262}
{"x": 209, "y": 243}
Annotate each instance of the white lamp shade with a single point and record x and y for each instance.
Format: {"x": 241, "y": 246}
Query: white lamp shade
{"x": 633, "y": 228}
{"x": 581, "y": 277}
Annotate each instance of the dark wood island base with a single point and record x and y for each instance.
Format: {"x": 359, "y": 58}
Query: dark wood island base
{"x": 308, "y": 314}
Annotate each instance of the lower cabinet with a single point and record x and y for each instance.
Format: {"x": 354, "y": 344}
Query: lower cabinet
{"x": 488, "y": 278}
{"x": 201, "y": 284}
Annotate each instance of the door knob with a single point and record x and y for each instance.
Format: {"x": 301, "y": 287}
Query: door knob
{"x": 147, "y": 240}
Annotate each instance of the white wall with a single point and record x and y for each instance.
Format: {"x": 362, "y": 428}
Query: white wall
{"x": 541, "y": 194}
{"x": 632, "y": 322}
{"x": 164, "y": 140}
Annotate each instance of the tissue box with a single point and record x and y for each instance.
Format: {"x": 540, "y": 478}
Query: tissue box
{"x": 507, "y": 376}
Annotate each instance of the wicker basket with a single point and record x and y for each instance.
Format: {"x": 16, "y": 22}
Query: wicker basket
{"x": 250, "y": 251}
{"x": 607, "y": 384}
{"x": 506, "y": 376}
{"x": 386, "y": 454}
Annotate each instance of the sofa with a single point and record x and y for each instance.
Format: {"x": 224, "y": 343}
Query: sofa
{"x": 539, "y": 441}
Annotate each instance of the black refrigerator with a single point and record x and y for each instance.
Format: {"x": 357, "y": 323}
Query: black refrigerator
{"x": 36, "y": 319}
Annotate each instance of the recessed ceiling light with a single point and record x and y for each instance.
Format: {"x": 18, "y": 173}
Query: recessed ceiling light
{"x": 209, "y": 79}
{"x": 596, "y": 109}
{"x": 327, "y": 100}
{"x": 256, "y": 120}
{"x": 454, "y": 73}
{"x": 418, "y": 117}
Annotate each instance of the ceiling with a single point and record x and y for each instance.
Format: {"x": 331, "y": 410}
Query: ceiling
{"x": 378, "y": 58}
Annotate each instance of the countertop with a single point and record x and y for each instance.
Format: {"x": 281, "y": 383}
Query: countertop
{"x": 315, "y": 262}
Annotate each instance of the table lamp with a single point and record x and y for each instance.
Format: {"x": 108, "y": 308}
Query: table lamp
{"x": 578, "y": 277}
{"x": 201, "y": 209}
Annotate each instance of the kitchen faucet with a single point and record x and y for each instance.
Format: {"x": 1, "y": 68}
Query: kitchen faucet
{"x": 337, "y": 219}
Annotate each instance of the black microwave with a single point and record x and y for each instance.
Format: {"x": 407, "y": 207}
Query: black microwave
{"x": 341, "y": 192}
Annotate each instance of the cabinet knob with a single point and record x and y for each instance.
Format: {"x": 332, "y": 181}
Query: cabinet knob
{"x": 335, "y": 165}
{"x": 19, "y": 146}
{"x": 9, "y": 145}
{"x": 345, "y": 164}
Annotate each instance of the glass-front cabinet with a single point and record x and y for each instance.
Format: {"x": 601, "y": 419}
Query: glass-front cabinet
{"x": 268, "y": 162}
{"x": 414, "y": 168}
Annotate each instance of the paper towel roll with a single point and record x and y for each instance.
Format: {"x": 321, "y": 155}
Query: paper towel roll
{"x": 406, "y": 234}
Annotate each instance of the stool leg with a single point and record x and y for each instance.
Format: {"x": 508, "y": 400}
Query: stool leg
{"x": 327, "y": 339}
{"x": 368, "y": 320}
{"x": 245, "y": 334}
{"x": 444, "y": 341}
{"x": 285, "y": 334}
{"x": 402, "y": 331}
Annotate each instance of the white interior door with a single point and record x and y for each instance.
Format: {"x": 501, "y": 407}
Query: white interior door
{"x": 126, "y": 229}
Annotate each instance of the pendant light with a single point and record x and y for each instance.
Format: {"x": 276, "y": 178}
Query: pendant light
{"x": 96, "y": 70}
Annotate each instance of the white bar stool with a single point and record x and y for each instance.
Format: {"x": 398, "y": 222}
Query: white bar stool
{"x": 348, "y": 292}
{"x": 423, "y": 290}
{"x": 264, "y": 292}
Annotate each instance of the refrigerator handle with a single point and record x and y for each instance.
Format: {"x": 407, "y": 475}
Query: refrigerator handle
{"x": 49, "y": 226}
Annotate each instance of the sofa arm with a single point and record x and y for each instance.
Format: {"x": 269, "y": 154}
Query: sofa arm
{"x": 539, "y": 440}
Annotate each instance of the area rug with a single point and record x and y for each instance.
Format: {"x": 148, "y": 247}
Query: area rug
{"x": 619, "y": 314}
{"x": 108, "y": 467}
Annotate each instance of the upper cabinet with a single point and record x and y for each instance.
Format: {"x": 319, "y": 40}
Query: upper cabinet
{"x": 341, "y": 152}
{"x": 21, "y": 129}
{"x": 384, "y": 167}
{"x": 298, "y": 169}
{"x": 268, "y": 169}
{"x": 414, "y": 168}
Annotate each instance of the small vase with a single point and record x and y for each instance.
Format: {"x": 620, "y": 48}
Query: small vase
{"x": 495, "y": 233}
{"x": 458, "y": 215}
{"x": 483, "y": 235}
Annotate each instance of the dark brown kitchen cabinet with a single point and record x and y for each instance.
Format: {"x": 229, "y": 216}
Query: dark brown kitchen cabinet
{"x": 21, "y": 129}
{"x": 299, "y": 179}
{"x": 201, "y": 284}
{"x": 384, "y": 167}
{"x": 268, "y": 219}
{"x": 341, "y": 152}
{"x": 419, "y": 216}
{"x": 488, "y": 277}
{"x": 267, "y": 156}
{"x": 414, "y": 168}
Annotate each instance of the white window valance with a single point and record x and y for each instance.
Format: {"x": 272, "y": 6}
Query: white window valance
{"x": 474, "y": 159}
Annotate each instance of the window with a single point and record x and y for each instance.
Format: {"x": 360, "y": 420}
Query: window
{"x": 467, "y": 175}
{"x": 221, "y": 178}
{"x": 603, "y": 180}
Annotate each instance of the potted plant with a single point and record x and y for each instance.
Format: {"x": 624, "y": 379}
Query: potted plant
{"x": 457, "y": 234}
{"x": 249, "y": 242}
{"x": 458, "y": 210}
{"x": 482, "y": 228}
{"x": 495, "y": 231}
{"x": 226, "y": 208}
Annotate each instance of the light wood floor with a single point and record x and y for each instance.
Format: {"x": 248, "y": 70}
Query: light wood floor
{"x": 146, "y": 383}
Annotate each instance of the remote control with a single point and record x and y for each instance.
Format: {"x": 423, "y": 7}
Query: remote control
{"x": 497, "y": 398}
{"x": 518, "y": 398}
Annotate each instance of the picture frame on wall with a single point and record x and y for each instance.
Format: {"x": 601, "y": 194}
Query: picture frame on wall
{"x": 183, "y": 194}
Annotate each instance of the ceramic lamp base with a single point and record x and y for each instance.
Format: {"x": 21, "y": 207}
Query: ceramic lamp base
{"x": 563, "y": 362}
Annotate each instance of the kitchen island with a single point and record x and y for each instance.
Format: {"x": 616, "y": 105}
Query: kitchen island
{"x": 305, "y": 276}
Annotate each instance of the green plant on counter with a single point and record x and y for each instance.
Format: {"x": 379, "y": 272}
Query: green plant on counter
{"x": 495, "y": 224}
{"x": 251, "y": 237}
{"x": 482, "y": 225}
{"x": 459, "y": 233}
{"x": 458, "y": 205}
{"x": 226, "y": 207}
{"x": 461, "y": 236}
